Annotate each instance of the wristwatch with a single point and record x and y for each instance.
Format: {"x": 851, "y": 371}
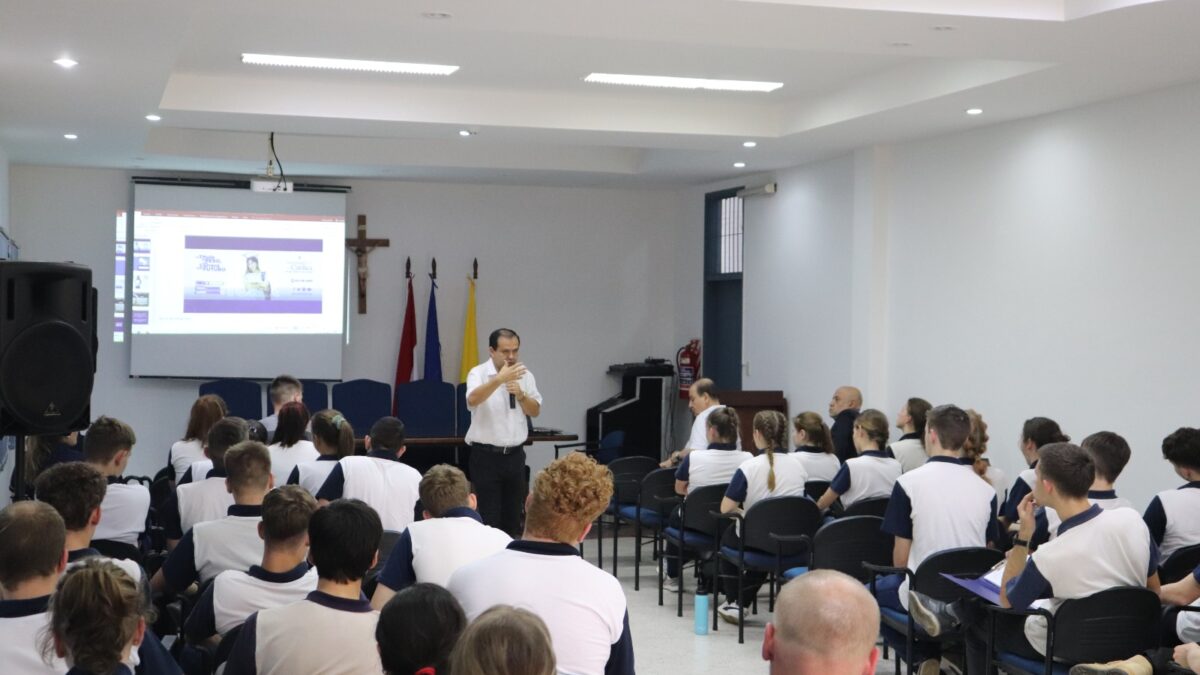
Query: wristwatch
{"x": 1017, "y": 541}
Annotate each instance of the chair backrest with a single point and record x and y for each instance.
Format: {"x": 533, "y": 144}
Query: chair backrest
{"x": 699, "y": 505}
{"x": 462, "y": 414}
{"x": 780, "y": 516}
{"x": 657, "y": 486}
{"x": 426, "y": 407}
{"x": 386, "y": 543}
{"x": 610, "y": 447}
{"x": 226, "y": 645}
{"x": 628, "y": 473}
{"x": 1180, "y": 564}
{"x": 815, "y": 489}
{"x": 867, "y": 507}
{"x": 845, "y": 544}
{"x": 160, "y": 492}
{"x": 243, "y": 398}
{"x": 960, "y": 562}
{"x": 1107, "y": 626}
{"x": 118, "y": 549}
{"x": 362, "y": 402}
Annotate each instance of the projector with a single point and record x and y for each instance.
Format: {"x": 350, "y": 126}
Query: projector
{"x": 270, "y": 184}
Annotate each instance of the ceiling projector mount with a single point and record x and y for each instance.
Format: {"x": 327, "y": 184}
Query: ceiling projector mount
{"x": 268, "y": 181}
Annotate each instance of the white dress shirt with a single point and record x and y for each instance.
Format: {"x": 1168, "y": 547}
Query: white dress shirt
{"x": 492, "y": 421}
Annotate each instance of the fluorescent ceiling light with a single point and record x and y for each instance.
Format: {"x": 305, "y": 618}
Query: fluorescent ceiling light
{"x": 466, "y": 132}
{"x": 70, "y": 137}
{"x": 682, "y": 82}
{"x": 739, "y": 165}
{"x": 66, "y": 62}
{"x": 348, "y": 64}
{"x": 750, "y": 144}
{"x": 974, "y": 111}
{"x": 153, "y": 118}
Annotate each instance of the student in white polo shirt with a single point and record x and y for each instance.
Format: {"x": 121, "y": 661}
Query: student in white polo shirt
{"x": 107, "y": 447}
{"x": 451, "y": 535}
{"x": 332, "y": 630}
{"x": 1036, "y": 432}
{"x": 207, "y": 497}
{"x": 333, "y": 437}
{"x": 379, "y": 478}
{"x": 909, "y": 450}
{"x": 282, "y": 390}
{"x": 289, "y": 443}
{"x": 1110, "y": 453}
{"x": 583, "y": 605}
{"x": 773, "y": 473}
{"x": 702, "y": 401}
{"x": 940, "y": 505}
{"x": 1171, "y": 515}
{"x": 283, "y": 577}
{"x": 232, "y": 542}
{"x": 205, "y": 412}
{"x": 872, "y": 473}
{"x": 814, "y": 446}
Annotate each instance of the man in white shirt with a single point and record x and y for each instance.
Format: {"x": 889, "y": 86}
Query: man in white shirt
{"x": 825, "y": 623}
{"x": 107, "y": 446}
{"x": 702, "y": 400}
{"x": 501, "y": 392}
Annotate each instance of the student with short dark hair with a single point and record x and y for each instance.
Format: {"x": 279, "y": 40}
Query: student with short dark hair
{"x": 108, "y": 446}
{"x": 417, "y": 630}
{"x": 204, "y": 414}
{"x": 333, "y": 437}
{"x": 283, "y": 389}
{"x": 814, "y": 446}
{"x": 909, "y": 450}
{"x": 202, "y": 495}
{"x": 451, "y": 535}
{"x": 378, "y": 478}
{"x": 504, "y": 640}
{"x": 283, "y": 577}
{"x": 333, "y": 629}
{"x": 1110, "y": 453}
{"x": 872, "y": 473}
{"x": 289, "y": 445}
{"x": 1171, "y": 515}
{"x": 583, "y": 605}
{"x": 229, "y": 543}
{"x": 1036, "y": 432}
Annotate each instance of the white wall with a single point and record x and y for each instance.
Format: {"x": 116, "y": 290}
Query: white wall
{"x": 584, "y": 275}
{"x": 3, "y": 190}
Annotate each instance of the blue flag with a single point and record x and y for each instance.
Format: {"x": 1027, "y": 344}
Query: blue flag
{"x": 433, "y": 344}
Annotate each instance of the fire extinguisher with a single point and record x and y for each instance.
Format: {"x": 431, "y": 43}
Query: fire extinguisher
{"x": 687, "y": 361}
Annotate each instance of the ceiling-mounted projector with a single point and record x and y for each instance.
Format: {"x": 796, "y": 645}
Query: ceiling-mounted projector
{"x": 270, "y": 184}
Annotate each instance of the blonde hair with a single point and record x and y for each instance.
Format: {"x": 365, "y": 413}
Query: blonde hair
{"x": 504, "y": 640}
{"x": 94, "y": 615}
{"x": 812, "y": 424}
{"x": 566, "y": 497}
{"x": 772, "y": 426}
{"x": 976, "y": 443}
{"x": 875, "y": 423}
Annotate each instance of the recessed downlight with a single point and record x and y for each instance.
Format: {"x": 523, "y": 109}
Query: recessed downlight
{"x": 71, "y": 137}
{"x": 66, "y": 62}
{"x": 974, "y": 111}
{"x": 750, "y": 144}
{"x": 739, "y": 165}
{"x": 467, "y": 132}
{"x": 154, "y": 118}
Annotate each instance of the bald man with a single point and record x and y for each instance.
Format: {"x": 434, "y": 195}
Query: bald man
{"x": 843, "y": 408}
{"x": 826, "y": 623}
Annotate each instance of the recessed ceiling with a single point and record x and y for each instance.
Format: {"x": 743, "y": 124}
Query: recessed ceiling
{"x": 521, "y": 86}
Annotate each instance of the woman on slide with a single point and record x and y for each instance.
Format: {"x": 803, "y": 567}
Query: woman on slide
{"x": 814, "y": 446}
{"x": 334, "y": 439}
{"x": 255, "y": 280}
{"x": 289, "y": 447}
{"x": 205, "y": 412}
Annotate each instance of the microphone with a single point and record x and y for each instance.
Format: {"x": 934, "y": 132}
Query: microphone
{"x": 512, "y": 401}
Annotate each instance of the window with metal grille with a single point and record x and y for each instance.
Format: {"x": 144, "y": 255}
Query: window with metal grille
{"x": 731, "y": 236}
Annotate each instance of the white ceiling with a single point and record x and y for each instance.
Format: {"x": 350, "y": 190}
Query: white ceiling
{"x": 855, "y": 72}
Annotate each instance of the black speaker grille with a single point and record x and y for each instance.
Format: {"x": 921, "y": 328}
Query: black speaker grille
{"x": 46, "y": 376}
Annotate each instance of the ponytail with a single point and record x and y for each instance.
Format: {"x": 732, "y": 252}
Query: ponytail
{"x": 772, "y": 426}
{"x": 976, "y": 443}
{"x": 334, "y": 431}
{"x": 812, "y": 424}
{"x": 724, "y": 421}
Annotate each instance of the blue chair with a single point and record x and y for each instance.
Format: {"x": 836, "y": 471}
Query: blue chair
{"x": 426, "y": 407}
{"x": 462, "y": 414}
{"x": 243, "y": 398}
{"x": 699, "y": 532}
{"x": 627, "y": 473}
{"x": 362, "y": 403}
{"x": 845, "y": 544}
{"x": 655, "y": 499}
{"x": 604, "y": 452}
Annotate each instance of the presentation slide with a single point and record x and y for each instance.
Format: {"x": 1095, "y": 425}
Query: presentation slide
{"x": 231, "y": 283}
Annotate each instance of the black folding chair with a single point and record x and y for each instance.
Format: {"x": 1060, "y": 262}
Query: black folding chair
{"x": 118, "y": 549}
{"x": 845, "y": 544}
{"x": 605, "y": 450}
{"x": 699, "y": 532}
{"x": 866, "y": 507}
{"x": 815, "y": 489}
{"x": 968, "y": 562}
{"x": 654, "y": 501}
{"x": 1113, "y": 624}
{"x": 1179, "y": 565}
{"x": 784, "y": 526}
{"x": 628, "y": 473}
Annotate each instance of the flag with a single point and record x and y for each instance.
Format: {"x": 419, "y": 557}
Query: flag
{"x": 470, "y": 341}
{"x": 408, "y": 343}
{"x": 433, "y": 345}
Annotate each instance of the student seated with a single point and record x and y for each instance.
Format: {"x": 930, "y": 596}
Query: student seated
{"x": 418, "y": 629}
{"x": 1110, "y": 453}
{"x": 229, "y": 543}
{"x": 76, "y": 490}
{"x": 206, "y": 497}
{"x": 108, "y": 446}
{"x": 872, "y": 473}
{"x": 825, "y": 623}
{"x": 333, "y": 629}
{"x": 1036, "y": 432}
{"x": 701, "y": 468}
{"x": 1171, "y": 514}
{"x": 333, "y": 437}
{"x": 910, "y": 449}
{"x": 205, "y": 412}
{"x": 283, "y": 389}
{"x": 504, "y": 640}
{"x": 814, "y": 447}
{"x": 32, "y": 558}
{"x": 1095, "y": 550}
{"x": 976, "y": 446}
{"x": 583, "y": 605}
{"x": 773, "y": 473}
{"x": 940, "y": 505}
{"x": 283, "y": 577}
{"x": 289, "y": 445}
{"x": 451, "y": 535}
{"x": 702, "y": 401}
{"x": 43, "y": 452}
{"x": 98, "y": 620}
{"x": 379, "y": 478}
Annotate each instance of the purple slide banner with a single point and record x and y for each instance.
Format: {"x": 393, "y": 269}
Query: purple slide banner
{"x": 250, "y": 244}
{"x": 252, "y": 306}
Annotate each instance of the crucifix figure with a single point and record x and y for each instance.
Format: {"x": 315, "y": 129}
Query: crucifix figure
{"x": 362, "y": 247}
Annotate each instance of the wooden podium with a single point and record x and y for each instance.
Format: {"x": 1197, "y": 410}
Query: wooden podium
{"x": 747, "y": 404}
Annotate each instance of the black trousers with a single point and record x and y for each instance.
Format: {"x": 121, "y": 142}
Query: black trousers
{"x": 499, "y": 482}
{"x": 753, "y": 580}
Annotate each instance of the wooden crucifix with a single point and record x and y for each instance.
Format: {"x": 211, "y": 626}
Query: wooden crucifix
{"x": 362, "y": 247}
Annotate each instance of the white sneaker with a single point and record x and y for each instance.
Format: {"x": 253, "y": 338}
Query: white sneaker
{"x": 729, "y": 612}
{"x": 671, "y": 584}
{"x": 930, "y": 667}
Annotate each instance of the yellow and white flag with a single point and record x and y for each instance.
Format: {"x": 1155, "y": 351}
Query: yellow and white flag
{"x": 470, "y": 341}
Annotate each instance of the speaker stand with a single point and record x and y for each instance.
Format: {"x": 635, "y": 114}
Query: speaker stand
{"x": 19, "y": 470}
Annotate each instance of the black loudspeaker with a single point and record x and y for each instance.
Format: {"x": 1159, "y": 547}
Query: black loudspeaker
{"x": 47, "y": 347}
